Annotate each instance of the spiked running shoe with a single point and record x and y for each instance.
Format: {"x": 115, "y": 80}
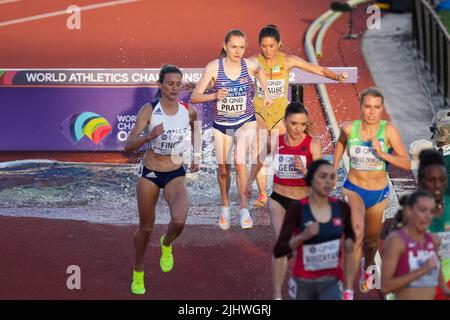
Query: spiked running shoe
{"x": 261, "y": 201}
{"x": 166, "y": 261}
{"x": 246, "y": 219}
{"x": 224, "y": 218}
{"x": 137, "y": 286}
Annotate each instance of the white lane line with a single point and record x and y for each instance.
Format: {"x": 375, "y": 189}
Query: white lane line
{"x": 63, "y": 12}
{"x": 8, "y": 1}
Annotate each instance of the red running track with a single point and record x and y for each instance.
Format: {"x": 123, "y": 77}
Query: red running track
{"x": 210, "y": 264}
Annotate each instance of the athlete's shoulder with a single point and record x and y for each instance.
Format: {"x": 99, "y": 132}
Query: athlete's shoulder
{"x": 436, "y": 240}
{"x": 184, "y": 104}
{"x": 212, "y": 65}
{"x": 254, "y": 57}
{"x": 147, "y": 108}
{"x": 252, "y": 63}
{"x": 390, "y": 127}
{"x": 347, "y": 126}
{"x": 292, "y": 61}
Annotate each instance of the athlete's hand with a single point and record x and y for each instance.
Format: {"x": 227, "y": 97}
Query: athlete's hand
{"x": 248, "y": 190}
{"x": 268, "y": 102}
{"x": 194, "y": 167}
{"x": 298, "y": 164}
{"x": 311, "y": 230}
{"x": 222, "y": 93}
{"x": 377, "y": 146}
{"x": 431, "y": 263}
{"x": 159, "y": 129}
{"x": 335, "y": 181}
{"x": 342, "y": 77}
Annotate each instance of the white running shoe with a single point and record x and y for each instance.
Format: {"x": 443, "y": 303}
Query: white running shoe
{"x": 246, "y": 219}
{"x": 224, "y": 218}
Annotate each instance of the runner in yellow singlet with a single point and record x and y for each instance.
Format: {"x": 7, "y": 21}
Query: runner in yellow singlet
{"x": 277, "y": 65}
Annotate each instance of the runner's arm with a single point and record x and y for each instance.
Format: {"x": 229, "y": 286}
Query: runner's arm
{"x": 258, "y": 71}
{"x": 340, "y": 148}
{"x": 400, "y": 157}
{"x": 349, "y": 246}
{"x": 282, "y": 247}
{"x": 294, "y": 61}
{"x": 316, "y": 150}
{"x": 196, "y": 138}
{"x": 135, "y": 139}
{"x": 209, "y": 75}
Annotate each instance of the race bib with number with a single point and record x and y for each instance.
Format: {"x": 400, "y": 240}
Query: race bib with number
{"x": 285, "y": 168}
{"x": 275, "y": 87}
{"x": 232, "y": 107}
{"x": 365, "y": 158}
{"x": 321, "y": 256}
{"x": 428, "y": 280}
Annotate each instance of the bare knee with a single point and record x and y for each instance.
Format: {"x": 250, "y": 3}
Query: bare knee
{"x": 223, "y": 172}
{"x": 371, "y": 242}
{"x": 145, "y": 230}
{"x": 177, "y": 226}
{"x": 240, "y": 169}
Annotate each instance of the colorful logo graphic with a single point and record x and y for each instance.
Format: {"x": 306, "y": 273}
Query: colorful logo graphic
{"x": 6, "y": 77}
{"x": 91, "y": 124}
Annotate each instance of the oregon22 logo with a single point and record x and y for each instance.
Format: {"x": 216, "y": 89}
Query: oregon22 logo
{"x": 83, "y": 124}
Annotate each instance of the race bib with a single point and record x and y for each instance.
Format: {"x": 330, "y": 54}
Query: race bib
{"x": 321, "y": 256}
{"x": 444, "y": 249}
{"x": 429, "y": 279}
{"x": 232, "y": 107}
{"x": 284, "y": 166}
{"x": 275, "y": 87}
{"x": 365, "y": 158}
{"x": 170, "y": 142}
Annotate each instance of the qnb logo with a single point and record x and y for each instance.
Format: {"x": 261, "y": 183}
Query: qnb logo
{"x": 83, "y": 124}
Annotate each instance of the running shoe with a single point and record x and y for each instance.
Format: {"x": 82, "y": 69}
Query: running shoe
{"x": 348, "y": 294}
{"x": 166, "y": 261}
{"x": 137, "y": 286}
{"x": 246, "y": 219}
{"x": 364, "y": 282}
{"x": 261, "y": 201}
{"x": 224, "y": 218}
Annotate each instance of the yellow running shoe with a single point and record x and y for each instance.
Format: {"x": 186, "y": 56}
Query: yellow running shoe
{"x": 166, "y": 261}
{"x": 261, "y": 201}
{"x": 137, "y": 286}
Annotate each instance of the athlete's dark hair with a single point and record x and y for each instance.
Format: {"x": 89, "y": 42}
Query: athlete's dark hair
{"x": 231, "y": 33}
{"x": 373, "y": 92}
{"x": 269, "y": 31}
{"x": 428, "y": 158}
{"x": 409, "y": 201}
{"x": 297, "y": 107}
{"x": 165, "y": 69}
{"x": 315, "y": 165}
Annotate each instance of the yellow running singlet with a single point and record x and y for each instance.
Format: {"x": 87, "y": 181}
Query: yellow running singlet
{"x": 277, "y": 78}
